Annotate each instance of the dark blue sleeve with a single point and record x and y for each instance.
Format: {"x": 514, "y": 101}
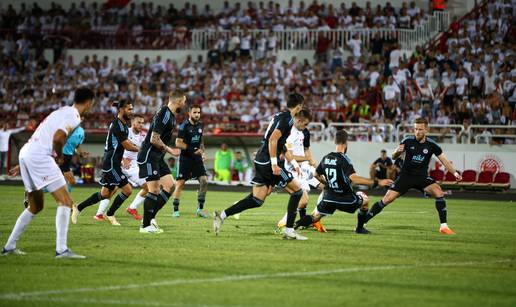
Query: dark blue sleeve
{"x": 306, "y": 141}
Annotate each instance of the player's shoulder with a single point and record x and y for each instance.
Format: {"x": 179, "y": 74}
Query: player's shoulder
{"x": 345, "y": 159}
{"x": 184, "y": 124}
{"x": 431, "y": 141}
{"x": 408, "y": 138}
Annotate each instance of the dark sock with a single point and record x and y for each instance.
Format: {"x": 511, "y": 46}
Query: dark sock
{"x": 304, "y": 221}
{"x": 440, "y": 205}
{"x": 247, "y": 203}
{"x": 302, "y": 212}
{"x": 201, "y": 199}
{"x": 176, "y": 204}
{"x": 162, "y": 200}
{"x": 90, "y": 201}
{"x": 375, "y": 210}
{"x": 119, "y": 199}
{"x": 361, "y": 217}
{"x": 292, "y": 207}
{"x": 149, "y": 206}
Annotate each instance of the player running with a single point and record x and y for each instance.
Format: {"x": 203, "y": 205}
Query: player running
{"x": 299, "y": 161}
{"x": 337, "y": 173}
{"x": 130, "y": 169}
{"x": 271, "y": 172}
{"x": 418, "y": 151}
{"x": 39, "y": 171}
{"x": 151, "y": 163}
{"x": 112, "y": 177}
{"x": 191, "y": 161}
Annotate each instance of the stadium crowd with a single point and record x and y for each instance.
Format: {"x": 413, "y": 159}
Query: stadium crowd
{"x": 470, "y": 79}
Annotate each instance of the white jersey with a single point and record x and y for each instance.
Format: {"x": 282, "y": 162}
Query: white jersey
{"x": 66, "y": 119}
{"x": 136, "y": 139}
{"x": 295, "y": 142}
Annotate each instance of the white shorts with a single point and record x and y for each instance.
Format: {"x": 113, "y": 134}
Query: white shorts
{"x": 39, "y": 171}
{"x": 306, "y": 179}
{"x": 133, "y": 176}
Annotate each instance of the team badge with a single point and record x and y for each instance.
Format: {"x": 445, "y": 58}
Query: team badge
{"x": 123, "y": 177}
{"x": 200, "y": 130}
{"x": 155, "y": 172}
{"x": 425, "y": 151}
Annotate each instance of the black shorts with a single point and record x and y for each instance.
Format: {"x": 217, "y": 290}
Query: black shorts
{"x": 113, "y": 178}
{"x": 153, "y": 169}
{"x": 190, "y": 167}
{"x": 347, "y": 203}
{"x": 406, "y": 182}
{"x": 264, "y": 175}
{"x": 67, "y": 160}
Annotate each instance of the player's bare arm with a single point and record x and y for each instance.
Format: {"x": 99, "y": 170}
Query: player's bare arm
{"x": 158, "y": 143}
{"x": 370, "y": 182}
{"x": 130, "y": 146}
{"x": 58, "y": 143}
{"x": 310, "y": 157}
{"x": 321, "y": 178}
{"x": 273, "y": 144}
{"x": 397, "y": 153}
{"x": 292, "y": 159}
{"x": 449, "y": 166}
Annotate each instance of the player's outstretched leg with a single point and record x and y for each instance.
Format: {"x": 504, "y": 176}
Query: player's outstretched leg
{"x": 440, "y": 205}
{"x": 90, "y": 201}
{"x": 103, "y": 205}
{"x": 137, "y": 201}
{"x": 362, "y": 214}
{"x": 177, "y": 197}
{"x": 295, "y": 196}
{"x": 248, "y": 202}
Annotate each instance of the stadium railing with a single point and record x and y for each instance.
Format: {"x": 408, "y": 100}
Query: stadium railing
{"x": 452, "y": 132}
{"x": 475, "y": 133}
{"x": 362, "y": 130}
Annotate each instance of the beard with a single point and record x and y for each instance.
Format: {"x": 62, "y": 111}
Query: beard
{"x": 178, "y": 110}
{"x": 127, "y": 117}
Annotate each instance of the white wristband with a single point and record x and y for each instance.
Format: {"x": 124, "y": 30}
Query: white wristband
{"x": 294, "y": 163}
{"x": 456, "y": 174}
{"x": 274, "y": 161}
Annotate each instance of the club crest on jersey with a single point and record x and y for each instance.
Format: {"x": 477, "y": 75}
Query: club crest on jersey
{"x": 155, "y": 172}
{"x": 425, "y": 151}
{"x": 123, "y": 177}
{"x": 200, "y": 130}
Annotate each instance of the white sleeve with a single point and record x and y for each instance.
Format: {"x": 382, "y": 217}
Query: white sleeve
{"x": 69, "y": 123}
{"x": 289, "y": 143}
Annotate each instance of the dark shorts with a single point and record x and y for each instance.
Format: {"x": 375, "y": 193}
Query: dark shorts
{"x": 406, "y": 182}
{"x": 347, "y": 203}
{"x": 190, "y": 167}
{"x": 67, "y": 160}
{"x": 264, "y": 175}
{"x": 113, "y": 178}
{"x": 153, "y": 169}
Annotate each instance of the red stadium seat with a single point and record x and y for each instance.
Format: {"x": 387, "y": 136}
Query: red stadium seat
{"x": 469, "y": 177}
{"x": 449, "y": 180}
{"x": 502, "y": 180}
{"x": 485, "y": 178}
{"x": 437, "y": 175}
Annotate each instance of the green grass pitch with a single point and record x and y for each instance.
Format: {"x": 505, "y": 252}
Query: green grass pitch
{"x": 405, "y": 262}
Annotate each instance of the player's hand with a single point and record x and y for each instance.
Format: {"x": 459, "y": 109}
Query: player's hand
{"x": 126, "y": 163}
{"x": 276, "y": 170}
{"x": 458, "y": 177}
{"x": 312, "y": 162}
{"x": 298, "y": 171}
{"x": 199, "y": 152}
{"x": 385, "y": 182}
{"x": 204, "y": 157}
{"x": 174, "y": 151}
{"x": 15, "y": 171}
{"x": 401, "y": 148}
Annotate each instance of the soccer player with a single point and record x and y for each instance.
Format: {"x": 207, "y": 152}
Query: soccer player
{"x": 191, "y": 161}
{"x": 130, "y": 169}
{"x": 337, "y": 173}
{"x": 271, "y": 172}
{"x": 418, "y": 151}
{"x": 152, "y": 164}
{"x": 116, "y": 142}
{"x": 39, "y": 171}
{"x": 300, "y": 160}
{"x": 72, "y": 146}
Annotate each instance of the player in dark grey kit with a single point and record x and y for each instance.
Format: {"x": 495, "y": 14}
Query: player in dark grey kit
{"x": 418, "y": 150}
{"x": 112, "y": 176}
{"x": 152, "y": 164}
{"x": 337, "y": 173}
{"x": 270, "y": 170}
{"x": 191, "y": 160}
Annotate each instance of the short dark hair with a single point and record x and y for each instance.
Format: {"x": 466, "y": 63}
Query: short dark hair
{"x": 305, "y": 114}
{"x": 122, "y": 103}
{"x": 294, "y": 100}
{"x": 421, "y": 120}
{"x": 176, "y": 94}
{"x": 341, "y": 137}
{"x": 138, "y": 116}
{"x": 194, "y": 106}
{"x": 83, "y": 94}
{"x": 383, "y": 151}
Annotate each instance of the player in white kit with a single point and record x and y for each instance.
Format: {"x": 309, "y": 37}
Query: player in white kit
{"x": 39, "y": 171}
{"x": 299, "y": 162}
{"x": 130, "y": 170}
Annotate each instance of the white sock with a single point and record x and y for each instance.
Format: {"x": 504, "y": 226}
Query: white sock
{"x": 103, "y": 206}
{"x": 444, "y": 225}
{"x": 223, "y": 215}
{"x": 136, "y": 201}
{"x": 21, "y": 223}
{"x": 62, "y": 221}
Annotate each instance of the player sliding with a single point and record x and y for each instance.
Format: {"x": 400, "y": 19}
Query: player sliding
{"x": 299, "y": 159}
{"x": 152, "y": 164}
{"x": 418, "y": 150}
{"x": 191, "y": 164}
{"x": 39, "y": 171}
{"x": 112, "y": 176}
{"x": 337, "y": 173}
{"x": 271, "y": 172}
{"x": 130, "y": 169}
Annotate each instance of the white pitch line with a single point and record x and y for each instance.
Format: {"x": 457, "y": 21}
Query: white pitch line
{"x": 230, "y": 278}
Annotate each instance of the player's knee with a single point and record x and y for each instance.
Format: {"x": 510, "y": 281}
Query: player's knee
{"x": 298, "y": 193}
{"x": 203, "y": 184}
{"x": 254, "y": 201}
{"x": 105, "y": 194}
